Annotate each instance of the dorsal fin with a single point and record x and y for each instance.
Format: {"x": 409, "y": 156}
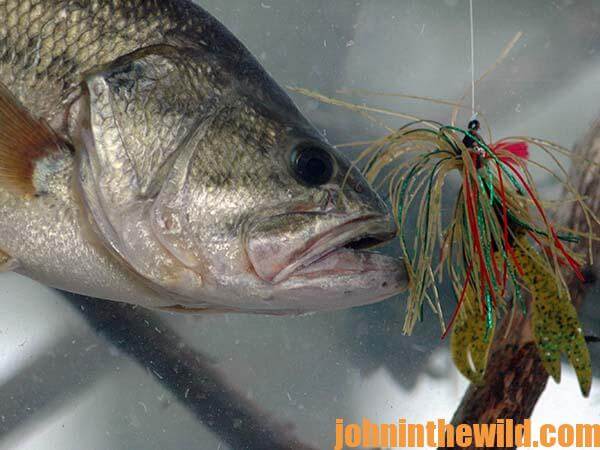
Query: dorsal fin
{"x": 23, "y": 141}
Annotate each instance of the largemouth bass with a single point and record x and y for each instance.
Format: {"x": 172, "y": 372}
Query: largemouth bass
{"x": 147, "y": 157}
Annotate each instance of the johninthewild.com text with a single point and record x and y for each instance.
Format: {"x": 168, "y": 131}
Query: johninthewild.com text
{"x": 438, "y": 433}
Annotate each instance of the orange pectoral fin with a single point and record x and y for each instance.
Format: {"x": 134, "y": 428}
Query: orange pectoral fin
{"x": 7, "y": 263}
{"x": 24, "y": 140}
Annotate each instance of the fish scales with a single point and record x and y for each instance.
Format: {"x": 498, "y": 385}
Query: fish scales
{"x": 54, "y": 42}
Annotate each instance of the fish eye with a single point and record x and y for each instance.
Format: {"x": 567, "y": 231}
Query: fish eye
{"x": 312, "y": 165}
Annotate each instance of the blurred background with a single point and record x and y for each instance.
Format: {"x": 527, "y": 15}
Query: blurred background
{"x": 62, "y": 386}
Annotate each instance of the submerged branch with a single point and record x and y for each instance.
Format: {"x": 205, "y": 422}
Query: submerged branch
{"x": 187, "y": 374}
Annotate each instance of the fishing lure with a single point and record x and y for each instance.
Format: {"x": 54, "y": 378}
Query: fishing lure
{"x": 498, "y": 243}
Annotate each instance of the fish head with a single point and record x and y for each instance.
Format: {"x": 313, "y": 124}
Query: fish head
{"x": 281, "y": 218}
{"x": 240, "y": 203}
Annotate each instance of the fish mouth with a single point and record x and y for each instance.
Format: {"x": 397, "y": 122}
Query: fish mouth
{"x": 341, "y": 250}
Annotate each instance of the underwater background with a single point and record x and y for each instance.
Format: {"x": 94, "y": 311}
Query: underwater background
{"x": 63, "y": 385}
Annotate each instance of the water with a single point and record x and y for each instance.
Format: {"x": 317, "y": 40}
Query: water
{"x": 66, "y": 387}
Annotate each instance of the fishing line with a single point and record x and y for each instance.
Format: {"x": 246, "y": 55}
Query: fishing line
{"x": 472, "y": 58}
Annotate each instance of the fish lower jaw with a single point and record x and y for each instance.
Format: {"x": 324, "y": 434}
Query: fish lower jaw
{"x": 343, "y": 278}
{"x": 346, "y": 239}
{"x": 340, "y": 262}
